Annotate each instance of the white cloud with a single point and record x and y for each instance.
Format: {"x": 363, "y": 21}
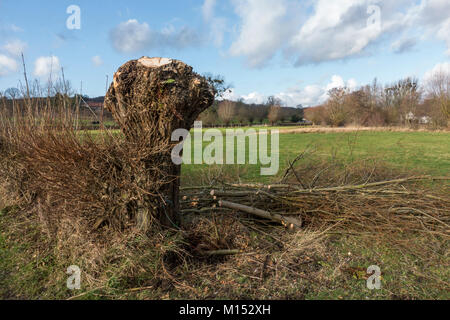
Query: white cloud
{"x": 44, "y": 66}
{"x": 15, "y": 47}
{"x": 337, "y": 30}
{"x": 310, "y": 95}
{"x": 434, "y": 14}
{"x": 132, "y": 36}
{"x": 231, "y": 95}
{"x": 254, "y": 97}
{"x": 313, "y": 32}
{"x": 7, "y": 65}
{"x": 443, "y": 67}
{"x": 264, "y": 28}
{"x": 97, "y": 61}
{"x": 338, "y": 82}
{"x": 306, "y": 32}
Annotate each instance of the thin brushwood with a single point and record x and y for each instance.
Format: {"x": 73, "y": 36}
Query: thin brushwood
{"x": 81, "y": 188}
{"x": 362, "y": 196}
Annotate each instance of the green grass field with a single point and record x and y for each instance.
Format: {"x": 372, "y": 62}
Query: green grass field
{"x": 422, "y": 152}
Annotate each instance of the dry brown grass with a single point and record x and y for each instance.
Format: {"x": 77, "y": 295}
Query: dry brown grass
{"x": 82, "y": 190}
{"x": 322, "y": 129}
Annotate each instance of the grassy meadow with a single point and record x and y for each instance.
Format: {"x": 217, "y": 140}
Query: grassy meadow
{"x": 421, "y": 152}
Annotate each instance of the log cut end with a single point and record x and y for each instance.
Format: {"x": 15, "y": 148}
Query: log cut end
{"x": 154, "y": 62}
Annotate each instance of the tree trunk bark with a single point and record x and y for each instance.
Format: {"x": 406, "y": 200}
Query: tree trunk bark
{"x": 150, "y": 98}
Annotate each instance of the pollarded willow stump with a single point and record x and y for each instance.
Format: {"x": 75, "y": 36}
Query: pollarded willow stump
{"x": 150, "y": 98}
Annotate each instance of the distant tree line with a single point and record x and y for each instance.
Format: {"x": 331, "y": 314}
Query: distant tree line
{"x": 403, "y": 103}
{"x": 227, "y": 113}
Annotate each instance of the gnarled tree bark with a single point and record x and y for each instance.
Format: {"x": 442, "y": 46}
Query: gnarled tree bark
{"x": 150, "y": 98}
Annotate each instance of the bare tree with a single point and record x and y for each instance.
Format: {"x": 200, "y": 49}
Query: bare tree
{"x": 226, "y": 111}
{"x": 274, "y": 114}
{"x": 438, "y": 88}
{"x": 404, "y": 97}
{"x": 243, "y": 113}
{"x": 12, "y": 93}
{"x": 336, "y": 106}
{"x": 209, "y": 116}
{"x": 274, "y": 105}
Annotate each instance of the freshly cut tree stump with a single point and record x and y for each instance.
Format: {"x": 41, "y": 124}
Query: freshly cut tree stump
{"x": 150, "y": 98}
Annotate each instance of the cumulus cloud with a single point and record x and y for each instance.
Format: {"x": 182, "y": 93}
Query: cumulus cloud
{"x": 7, "y": 65}
{"x": 307, "y": 96}
{"x": 434, "y": 16}
{"x": 97, "y": 61}
{"x": 337, "y": 30}
{"x": 309, "y": 32}
{"x": 44, "y": 66}
{"x": 231, "y": 95}
{"x": 439, "y": 68}
{"x": 326, "y": 30}
{"x": 310, "y": 95}
{"x": 15, "y": 47}
{"x": 132, "y": 36}
{"x": 264, "y": 29}
{"x": 253, "y": 97}
{"x": 444, "y": 34}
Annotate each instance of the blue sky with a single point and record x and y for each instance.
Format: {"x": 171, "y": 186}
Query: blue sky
{"x": 296, "y": 50}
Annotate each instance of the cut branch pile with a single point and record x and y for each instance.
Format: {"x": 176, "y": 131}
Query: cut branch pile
{"x": 385, "y": 205}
